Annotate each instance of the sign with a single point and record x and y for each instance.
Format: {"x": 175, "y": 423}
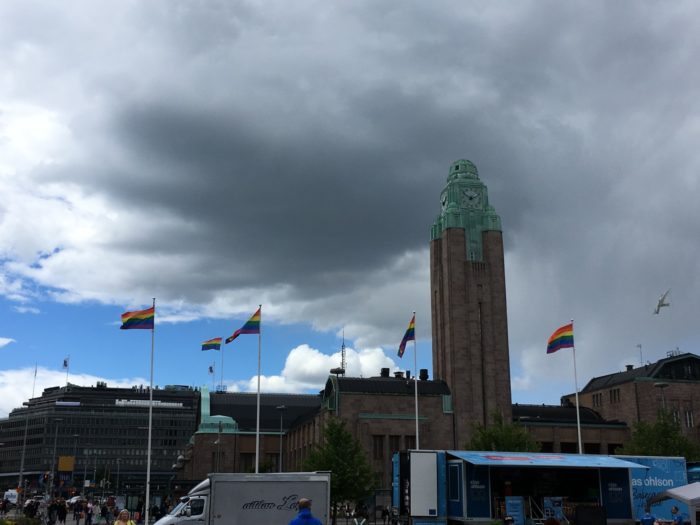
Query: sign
{"x": 66, "y": 463}
{"x": 663, "y": 473}
{"x": 553, "y": 508}
{"x": 515, "y": 508}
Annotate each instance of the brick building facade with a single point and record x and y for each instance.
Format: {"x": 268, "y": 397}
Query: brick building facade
{"x": 468, "y": 294}
{"x": 637, "y": 394}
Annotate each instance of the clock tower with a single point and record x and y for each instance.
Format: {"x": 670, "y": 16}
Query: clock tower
{"x": 468, "y": 296}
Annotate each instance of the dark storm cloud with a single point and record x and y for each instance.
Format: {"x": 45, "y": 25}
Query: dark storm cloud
{"x": 305, "y": 146}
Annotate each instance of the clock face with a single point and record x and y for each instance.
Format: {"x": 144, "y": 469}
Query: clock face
{"x": 471, "y": 198}
{"x": 443, "y": 201}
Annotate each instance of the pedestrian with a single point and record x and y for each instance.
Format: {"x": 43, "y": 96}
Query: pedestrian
{"x": 385, "y": 515}
{"x": 305, "y": 517}
{"x": 89, "y": 508}
{"x": 61, "y": 511}
{"x": 123, "y": 518}
{"x": 648, "y": 518}
{"x": 360, "y": 517}
{"x": 676, "y": 516}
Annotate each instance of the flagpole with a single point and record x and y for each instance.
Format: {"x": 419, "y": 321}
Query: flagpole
{"x": 578, "y": 415}
{"x": 221, "y": 385}
{"x": 415, "y": 381}
{"x": 213, "y": 373}
{"x": 24, "y": 443}
{"x": 150, "y": 421}
{"x": 257, "y": 423}
{"x": 67, "y": 368}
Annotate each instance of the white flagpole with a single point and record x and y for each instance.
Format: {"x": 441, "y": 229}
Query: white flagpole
{"x": 24, "y": 443}
{"x": 67, "y": 368}
{"x": 257, "y": 423}
{"x": 578, "y": 415}
{"x": 222, "y": 369}
{"x": 415, "y": 379}
{"x": 150, "y": 420}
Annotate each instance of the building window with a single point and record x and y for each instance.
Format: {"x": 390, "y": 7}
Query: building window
{"x": 546, "y": 446}
{"x": 394, "y": 443}
{"x": 591, "y": 448}
{"x": 615, "y": 395}
{"x": 410, "y": 442}
{"x": 613, "y": 447}
{"x": 597, "y": 399}
{"x": 568, "y": 448}
{"x": 689, "y": 418}
{"x": 378, "y": 447}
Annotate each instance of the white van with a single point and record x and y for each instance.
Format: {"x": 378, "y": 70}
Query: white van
{"x": 11, "y": 496}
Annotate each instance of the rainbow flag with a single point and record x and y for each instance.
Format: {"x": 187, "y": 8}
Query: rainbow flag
{"x": 410, "y": 335}
{"x": 212, "y": 344}
{"x": 561, "y": 338}
{"x": 139, "y": 320}
{"x": 251, "y": 327}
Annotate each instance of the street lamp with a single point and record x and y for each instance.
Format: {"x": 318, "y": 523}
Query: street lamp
{"x": 75, "y": 451}
{"x": 662, "y": 386}
{"x": 24, "y": 450}
{"x": 119, "y": 462}
{"x": 281, "y": 408}
{"x": 53, "y": 460}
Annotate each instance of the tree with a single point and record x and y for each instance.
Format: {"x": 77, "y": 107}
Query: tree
{"x": 351, "y": 475}
{"x": 661, "y": 438}
{"x": 502, "y": 436}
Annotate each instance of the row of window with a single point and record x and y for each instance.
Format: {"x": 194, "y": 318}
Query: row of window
{"x": 394, "y": 442}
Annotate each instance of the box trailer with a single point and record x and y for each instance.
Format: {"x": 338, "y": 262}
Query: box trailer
{"x": 242, "y": 499}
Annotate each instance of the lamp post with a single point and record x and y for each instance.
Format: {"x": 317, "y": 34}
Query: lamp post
{"x": 75, "y": 451}
{"x": 662, "y": 386}
{"x": 53, "y": 460}
{"x": 119, "y": 462}
{"x": 281, "y": 408}
{"x": 85, "y": 462}
{"x": 24, "y": 450}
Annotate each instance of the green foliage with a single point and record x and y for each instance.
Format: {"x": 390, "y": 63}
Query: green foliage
{"x": 352, "y": 478}
{"x": 20, "y": 520}
{"x": 503, "y": 437}
{"x": 661, "y": 438}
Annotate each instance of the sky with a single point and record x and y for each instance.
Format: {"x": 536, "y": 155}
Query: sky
{"x": 220, "y": 155}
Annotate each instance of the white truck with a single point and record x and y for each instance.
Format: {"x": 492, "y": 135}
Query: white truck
{"x": 252, "y": 499}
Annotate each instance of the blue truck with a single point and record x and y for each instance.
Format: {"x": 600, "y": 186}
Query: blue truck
{"x": 441, "y": 487}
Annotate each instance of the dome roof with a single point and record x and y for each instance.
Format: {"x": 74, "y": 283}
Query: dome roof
{"x": 462, "y": 169}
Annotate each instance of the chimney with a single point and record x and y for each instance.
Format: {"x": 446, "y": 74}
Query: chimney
{"x": 629, "y": 367}
{"x": 384, "y": 372}
{"x": 398, "y": 375}
{"x": 423, "y": 375}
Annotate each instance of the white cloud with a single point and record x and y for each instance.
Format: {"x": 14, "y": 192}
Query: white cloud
{"x": 27, "y": 309}
{"x": 4, "y": 341}
{"x": 307, "y": 369}
{"x": 16, "y": 385}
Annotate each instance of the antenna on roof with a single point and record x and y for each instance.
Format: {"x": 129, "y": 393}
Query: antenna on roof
{"x": 340, "y": 371}
{"x": 342, "y": 353}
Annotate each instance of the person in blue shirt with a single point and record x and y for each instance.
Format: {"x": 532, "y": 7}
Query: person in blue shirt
{"x": 676, "y": 516}
{"x": 648, "y": 518}
{"x": 305, "y": 517}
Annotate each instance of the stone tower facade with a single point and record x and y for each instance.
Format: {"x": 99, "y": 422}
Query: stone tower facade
{"x": 468, "y": 296}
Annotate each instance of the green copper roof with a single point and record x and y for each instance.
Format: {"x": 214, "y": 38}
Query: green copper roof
{"x": 465, "y": 204}
{"x": 213, "y": 424}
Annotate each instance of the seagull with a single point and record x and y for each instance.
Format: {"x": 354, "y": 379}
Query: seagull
{"x": 662, "y": 302}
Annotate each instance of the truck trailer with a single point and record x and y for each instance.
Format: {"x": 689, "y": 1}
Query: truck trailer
{"x": 244, "y": 499}
{"x": 441, "y": 487}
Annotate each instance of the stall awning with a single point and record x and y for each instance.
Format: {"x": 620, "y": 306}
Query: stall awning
{"x": 688, "y": 494}
{"x": 541, "y": 459}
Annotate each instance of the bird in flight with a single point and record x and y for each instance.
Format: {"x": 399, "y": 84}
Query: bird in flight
{"x": 662, "y": 302}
